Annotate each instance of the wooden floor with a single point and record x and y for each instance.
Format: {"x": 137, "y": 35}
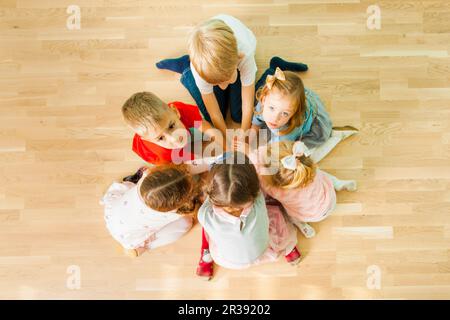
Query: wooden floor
{"x": 63, "y": 141}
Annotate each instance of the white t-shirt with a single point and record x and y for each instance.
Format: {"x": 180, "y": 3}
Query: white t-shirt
{"x": 246, "y": 43}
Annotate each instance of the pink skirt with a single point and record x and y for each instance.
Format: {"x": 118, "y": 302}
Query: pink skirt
{"x": 282, "y": 240}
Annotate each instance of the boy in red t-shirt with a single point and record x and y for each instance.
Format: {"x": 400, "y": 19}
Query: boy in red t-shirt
{"x": 163, "y": 131}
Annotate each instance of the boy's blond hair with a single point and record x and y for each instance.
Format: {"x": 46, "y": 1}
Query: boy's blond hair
{"x": 213, "y": 51}
{"x": 143, "y": 109}
{"x": 284, "y": 178}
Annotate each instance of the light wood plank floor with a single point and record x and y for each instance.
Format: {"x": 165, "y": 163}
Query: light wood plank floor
{"x": 62, "y": 142}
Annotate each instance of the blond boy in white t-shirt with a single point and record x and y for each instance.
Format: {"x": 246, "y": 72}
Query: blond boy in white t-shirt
{"x": 220, "y": 70}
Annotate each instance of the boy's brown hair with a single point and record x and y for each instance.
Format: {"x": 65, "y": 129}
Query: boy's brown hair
{"x": 233, "y": 183}
{"x": 167, "y": 187}
{"x": 143, "y": 109}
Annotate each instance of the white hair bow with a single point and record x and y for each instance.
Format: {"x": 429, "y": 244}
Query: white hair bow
{"x": 299, "y": 149}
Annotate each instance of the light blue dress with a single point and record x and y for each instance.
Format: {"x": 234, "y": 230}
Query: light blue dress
{"x": 315, "y": 129}
{"x": 237, "y": 240}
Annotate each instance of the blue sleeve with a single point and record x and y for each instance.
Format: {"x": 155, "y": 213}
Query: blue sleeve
{"x": 257, "y": 116}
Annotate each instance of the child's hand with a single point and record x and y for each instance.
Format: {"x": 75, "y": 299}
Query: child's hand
{"x": 241, "y": 146}
{"x": 229, "y": 146}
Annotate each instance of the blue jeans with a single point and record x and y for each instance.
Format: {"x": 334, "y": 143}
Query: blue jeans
{"x": 232, "y": 95}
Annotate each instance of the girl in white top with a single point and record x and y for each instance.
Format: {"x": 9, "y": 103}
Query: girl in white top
{"x": 152, "y": 213}
{"x": 239, "y": 229}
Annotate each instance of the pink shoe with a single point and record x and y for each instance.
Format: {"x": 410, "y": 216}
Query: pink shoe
{"x": 293, "y": 257}
{"x": 205, "y": 265}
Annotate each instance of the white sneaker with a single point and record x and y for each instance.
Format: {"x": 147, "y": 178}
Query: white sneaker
{"x": 343, "y": 134}
{"x": 318, "y": 153}
{"x": 349, "y": 185}
{"x": 306, "y": 229}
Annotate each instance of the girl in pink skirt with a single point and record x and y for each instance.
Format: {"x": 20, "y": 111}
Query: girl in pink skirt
{"x": 288, "y": 175}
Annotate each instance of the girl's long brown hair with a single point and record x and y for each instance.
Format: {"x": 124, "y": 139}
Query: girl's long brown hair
{"x": 233, "y": 185}
{"x": 167, "y": 187}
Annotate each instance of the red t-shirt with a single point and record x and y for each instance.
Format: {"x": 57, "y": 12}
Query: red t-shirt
{"x": 156, "y": 154}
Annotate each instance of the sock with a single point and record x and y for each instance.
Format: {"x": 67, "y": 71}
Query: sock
{"x": 176, "y": 65}
{"x": 205, "y": 243}
{"x": 205, "y": 255}
{"x": 286, "y": 65}
{"x": 349, "y": 185}
{"x": 343, "y": 134}
{"x": 304, "y": 227}
{"x": 319, "y": 152}
{"x": 205, "y": 268}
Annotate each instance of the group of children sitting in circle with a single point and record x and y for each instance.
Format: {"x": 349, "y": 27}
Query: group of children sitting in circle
{"x": 249, "y": 196}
